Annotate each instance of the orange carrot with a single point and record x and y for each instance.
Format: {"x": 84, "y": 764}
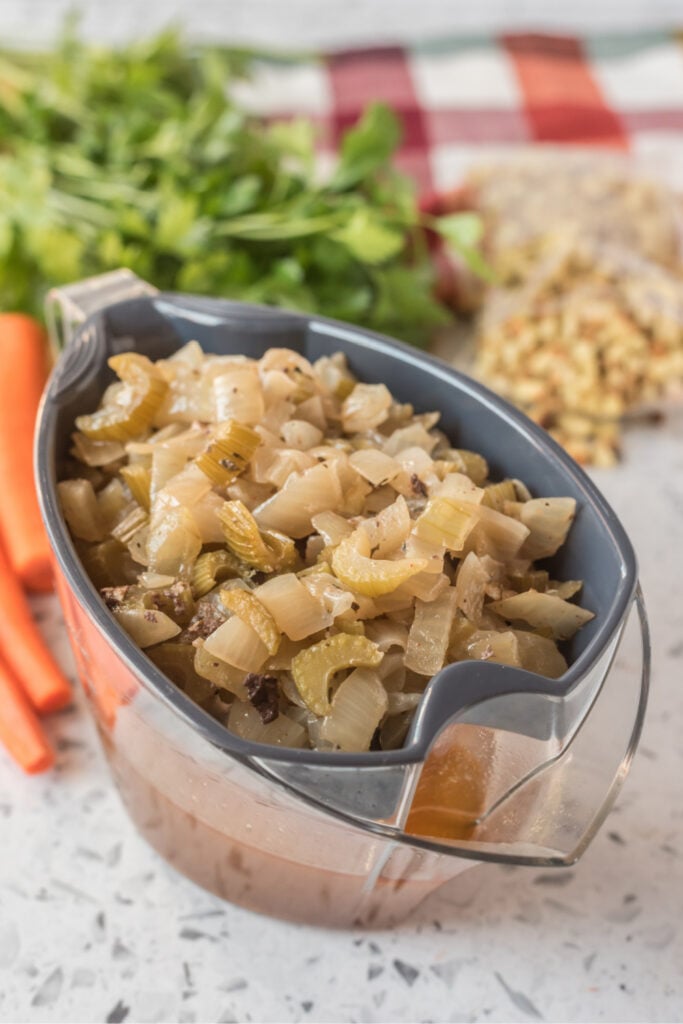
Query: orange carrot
{"x": 24, "y": 370}
{"x": 20, "y": 730}
{"x": 24, "y": 649}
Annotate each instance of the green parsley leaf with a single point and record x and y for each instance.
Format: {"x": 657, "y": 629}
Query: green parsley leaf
{"x": 368, "y": 239}
{"x": 367, "y": 147}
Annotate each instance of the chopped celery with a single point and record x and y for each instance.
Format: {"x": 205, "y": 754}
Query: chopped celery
{"x": 212, "y": 567}
{"x": 134, "y": 403}
{"x": 228, "y": 453}
{"x": 251, "y": 611}
{"x": 314, "y": 668}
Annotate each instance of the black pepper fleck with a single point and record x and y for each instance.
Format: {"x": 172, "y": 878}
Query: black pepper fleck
{"x": 417, "y": 485}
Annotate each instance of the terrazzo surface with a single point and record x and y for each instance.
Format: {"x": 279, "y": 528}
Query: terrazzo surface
{"x": 94, "y": 926}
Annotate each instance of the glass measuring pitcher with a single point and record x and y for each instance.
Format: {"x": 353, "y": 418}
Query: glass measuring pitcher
{"x": 500, "y": 764}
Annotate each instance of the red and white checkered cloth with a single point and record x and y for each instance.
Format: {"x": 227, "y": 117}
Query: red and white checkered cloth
{"x": 463, "y": 99}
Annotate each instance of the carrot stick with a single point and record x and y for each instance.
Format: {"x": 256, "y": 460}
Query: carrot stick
{"x": 20, "y": 730}
{"x": 24, "y": 649}
{"x": 24, "y": 370}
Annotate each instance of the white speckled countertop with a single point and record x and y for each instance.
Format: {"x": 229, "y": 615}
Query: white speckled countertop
{"x": 95, "y": 927}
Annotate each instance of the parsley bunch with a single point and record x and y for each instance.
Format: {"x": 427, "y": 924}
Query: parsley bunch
{"x": 141, "y": 158}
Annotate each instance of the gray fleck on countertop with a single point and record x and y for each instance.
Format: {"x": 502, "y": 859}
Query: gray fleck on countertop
{"x": 519, "y": 999}
{"x": 94, "y": 926}
{"x": 409, "y": 973}
{"x": 49, "y": 990}
{"x": 118, "y": 1014}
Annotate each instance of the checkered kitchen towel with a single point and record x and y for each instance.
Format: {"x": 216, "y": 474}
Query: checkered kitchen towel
{"x": 462, "y": 99}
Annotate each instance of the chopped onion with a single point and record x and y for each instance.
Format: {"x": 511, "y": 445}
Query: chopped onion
{"x": 548, "y": 520}
{"x": 429, "y": 634}
{"x": 184, "y": 399}
{"x": 333, "y": 373}
{"x": 80, "y": 508}
{"x": 113, "y": 504}
{"x": 431, "y": 554}
{"x": 293, "y": 365}
{"x": 332, "y": 527}
{"x": 275, "y": 467}
{"x": 313, "y": 411}
{"x": 155, "y": 581}
{"x": 248, "y": 492}
{"x": 415, "y": 461}
{"x": 302, "y": 496}
{"x": 565, "y": 590}
{"x": 374, "y": 466}
{"x": 188, "y": 487}
{"x": 497, "y": 535}
{"x": 540, "y": 654}
{"x": 315, "y": 546}
{"x": 96, "y": 453}
{"x": 296, "y": 611}
{"x": 389, "y": 604}
{"x": 238, "y": 396}
{"x": 287, "y": 650}
{"x": 205, "y": 515}
{"x": 299, "y": 712}
{"x": 327, "y": 589}
{"x": 366, "y": 407}
{"x": 394, "y": 730}
{"x": 380, "y": 498}
{"x": 335, "y": 450}
{"x": 164, "y": 434}
{"x": 168, "y": 460}
{"x": 358, "y": 707}
{"x": 398, "y": 703}
{"x": 362, "y": 608}
{"x": 276, "y": 386}
{"x": 491, "y": 645}
{"x": 192, "y": 354}
{"x": 300, "y": 435}
{"x": 408, "y": 437}
{"x": 276, "y": 417}
{"x": 426, "y": 585}
{"x": 392, "y": 672}
{"x": 543, "y": 612}
{"x": 388, "y": 530}
{"x": 137, "y": 546}
{"x": 245, "y": 721}
{"x": 287, "y": 361}
{"x": 387, "y": 634}
{"x": 236, "y": 643}
{"x": 146, "y": 626}
{"x": 457, "y": 485}
{"x": 355, "y": 490}
{"x": 470, "y": 587}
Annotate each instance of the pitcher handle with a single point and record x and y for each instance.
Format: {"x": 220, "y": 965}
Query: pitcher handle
{"x": 68, "y": 306}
